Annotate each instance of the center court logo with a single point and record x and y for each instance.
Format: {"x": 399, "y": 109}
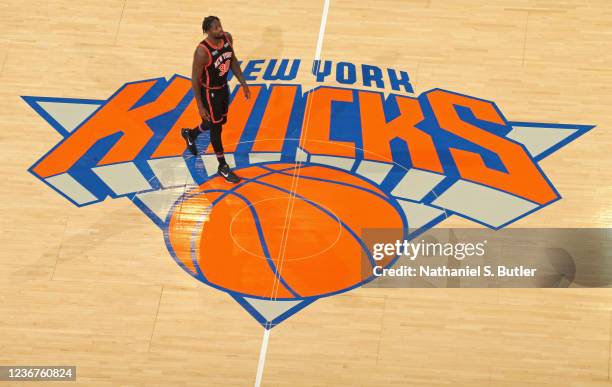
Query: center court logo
{"x": 319, "y": 167}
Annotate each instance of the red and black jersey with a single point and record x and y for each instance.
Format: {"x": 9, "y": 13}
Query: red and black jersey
{"x": 214, "y": 74}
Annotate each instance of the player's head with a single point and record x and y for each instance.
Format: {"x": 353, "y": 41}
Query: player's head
{"x": 212, "y": 26}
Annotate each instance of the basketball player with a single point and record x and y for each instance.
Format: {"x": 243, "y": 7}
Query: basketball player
{"x": 212, "y": 60}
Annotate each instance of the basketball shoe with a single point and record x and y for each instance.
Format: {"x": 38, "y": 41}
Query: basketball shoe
{"x": 190, "y": 139}
{"x": 228, "y": 174}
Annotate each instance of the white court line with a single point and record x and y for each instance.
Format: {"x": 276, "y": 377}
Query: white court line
{"x": 264, "y": 343}
{"x": 262, "y": 357}
{"x": 322, "y": 30}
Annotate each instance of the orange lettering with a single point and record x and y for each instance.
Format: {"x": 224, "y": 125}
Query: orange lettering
{"x": 115, "y": 117}
{"x": 523, "y": 177}
{"x": 377, "y": 133}
{"x": 273, "y": 128}
{"x": 317, "y": 120}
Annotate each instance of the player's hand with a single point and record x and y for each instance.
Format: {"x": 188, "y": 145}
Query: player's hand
{"x": 246, "y": 91}
{"x": 204, "y": 113}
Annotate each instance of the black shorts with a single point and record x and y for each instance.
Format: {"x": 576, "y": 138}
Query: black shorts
{"x": 216, "y": 101}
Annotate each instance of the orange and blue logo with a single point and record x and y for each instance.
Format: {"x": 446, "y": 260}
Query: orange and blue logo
{"x": 319, "y": 167}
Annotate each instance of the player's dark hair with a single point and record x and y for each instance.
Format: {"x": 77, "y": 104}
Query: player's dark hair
{"x": 208, "y": 21}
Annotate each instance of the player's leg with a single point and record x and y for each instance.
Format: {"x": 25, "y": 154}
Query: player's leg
{"x": 204, "y": 126}
{"x": 190, "y": 135}
{"x": 215, "y": 139}
{"x": 221, "y": 108}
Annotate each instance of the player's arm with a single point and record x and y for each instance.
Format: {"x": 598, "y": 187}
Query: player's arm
{"x": 235, "y": 66}
{"x": 200, "y": 59}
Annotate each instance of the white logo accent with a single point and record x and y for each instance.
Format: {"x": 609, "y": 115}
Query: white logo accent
{"x": 189, "y": 141}
{"x": 224, "y": 174}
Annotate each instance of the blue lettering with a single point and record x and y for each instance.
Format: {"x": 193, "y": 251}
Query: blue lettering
{"x": 316, "y": 70}
{"x": 350, "y": 77}
{"x": 269, "y": 74}
{"x": 403, "y": 81}
{"x": 372, "y": 73}
{"x": 252, "y": 68}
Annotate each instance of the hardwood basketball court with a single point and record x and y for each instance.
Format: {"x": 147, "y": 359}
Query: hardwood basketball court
{"x": 96, "y": 287}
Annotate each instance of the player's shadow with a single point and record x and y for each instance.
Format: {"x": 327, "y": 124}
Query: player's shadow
{"x": 270, "y": 45}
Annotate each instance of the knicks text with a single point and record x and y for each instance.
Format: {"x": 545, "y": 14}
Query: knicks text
{"x": 449, "y": 151}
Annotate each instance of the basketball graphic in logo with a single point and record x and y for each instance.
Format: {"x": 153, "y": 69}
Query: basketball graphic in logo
{"x": 288, "y": 231}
